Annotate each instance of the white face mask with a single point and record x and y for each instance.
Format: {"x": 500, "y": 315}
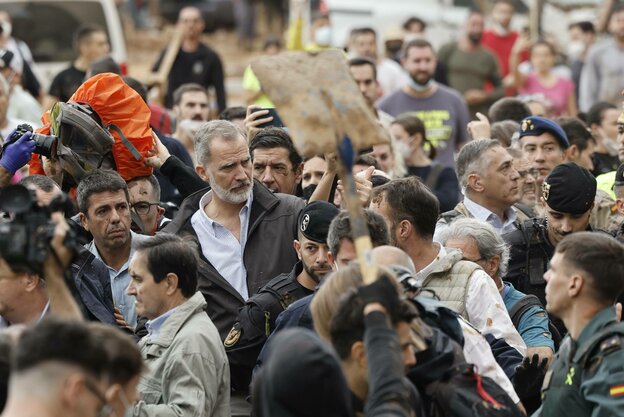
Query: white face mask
{"x": 6, "y": 29}
{"x": 403, "y": 149}
{"x": 323, "y": 36}
{"x": 575, "y": 49}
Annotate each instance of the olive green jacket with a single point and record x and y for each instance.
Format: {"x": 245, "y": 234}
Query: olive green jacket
{"x": 587, "y": 386}
{"x": 188, "y": 369}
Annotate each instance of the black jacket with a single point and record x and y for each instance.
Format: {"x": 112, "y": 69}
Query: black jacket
{"x": 268, "y": 252}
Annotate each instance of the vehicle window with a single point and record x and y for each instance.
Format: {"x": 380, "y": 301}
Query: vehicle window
{"x": 50, "y": 38}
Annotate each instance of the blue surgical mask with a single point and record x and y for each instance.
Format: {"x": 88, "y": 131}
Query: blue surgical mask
{"x": 420, "y": 87}
{"x": 323, "y": 36}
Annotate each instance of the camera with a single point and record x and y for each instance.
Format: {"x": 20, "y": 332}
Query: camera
{"x": 25, "y": 238}
{"x": 45, "y": 145}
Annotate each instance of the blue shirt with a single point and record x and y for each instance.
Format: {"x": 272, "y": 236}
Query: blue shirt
{"x": 481, "y": 213}
{"x": 154, "y": 326}
{"x": 220, "y": 246}
{"x": 120, "y": 280}
{"x": 533, "y": 326}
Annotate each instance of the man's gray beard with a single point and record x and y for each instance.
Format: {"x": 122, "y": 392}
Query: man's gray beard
{"x": 232, "y": 197}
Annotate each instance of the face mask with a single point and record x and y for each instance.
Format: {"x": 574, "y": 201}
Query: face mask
{"x": 499, "y": 29}
{"x": 403, "y": 149}
{"x": 575, "y": 49}
{"x": 323, "y": 36}
{"x": 416, "y": 86}
{"x": 5, "y": 28}
{"x": 308, "y": 191}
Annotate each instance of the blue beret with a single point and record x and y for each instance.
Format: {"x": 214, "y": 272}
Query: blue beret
{"x": 569, "y": 188}
{"x": 535, "y": 126}
{"x": 315, "y": 218}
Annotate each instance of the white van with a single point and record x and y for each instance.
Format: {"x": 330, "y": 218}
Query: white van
{"x": 47, "y": 27}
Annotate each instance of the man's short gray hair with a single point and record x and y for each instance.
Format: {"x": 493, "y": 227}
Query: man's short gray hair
{"x": 471, "y": 159}
{"x": 223, "y": 129}
{"x": 488, "y": 241}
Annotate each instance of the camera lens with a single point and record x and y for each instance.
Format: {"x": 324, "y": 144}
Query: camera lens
{"x": 45, "y": 145}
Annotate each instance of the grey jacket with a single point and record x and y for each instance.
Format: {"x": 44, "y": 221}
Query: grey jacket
{"x": 188, "y": 373}
{"x": 268, "y": 252}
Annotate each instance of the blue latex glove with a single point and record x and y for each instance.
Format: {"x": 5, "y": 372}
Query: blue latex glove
{"x": 15, "y": 155}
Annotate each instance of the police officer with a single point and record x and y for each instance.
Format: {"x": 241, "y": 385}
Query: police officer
{"x": 568, "y": 196}
{"x": 586, "y": 378}
{"x": 256, "y": 320}
{"x": 618, "y": 190}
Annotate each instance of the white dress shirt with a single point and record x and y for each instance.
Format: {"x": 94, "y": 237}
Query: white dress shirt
{"x": 220, "y": 246}
{"x": 478, "y": 352}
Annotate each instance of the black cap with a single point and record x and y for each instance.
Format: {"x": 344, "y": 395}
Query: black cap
{"x": 5, "y": 58}
{"x": 569, "y": 188}
{"x": 315, "y": 218}
{"x": 619, "y": 176}
{"x": 535, "y": 126}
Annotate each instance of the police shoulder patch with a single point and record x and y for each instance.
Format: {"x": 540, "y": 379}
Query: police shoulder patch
{"x": 233, "y": 336}
{"x": 612, "y": 343}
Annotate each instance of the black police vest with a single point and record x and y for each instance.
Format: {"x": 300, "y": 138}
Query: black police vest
{"x": 529, "y": 258}
{"x": 255, "y": 322}
{"x": 561, "y": 391}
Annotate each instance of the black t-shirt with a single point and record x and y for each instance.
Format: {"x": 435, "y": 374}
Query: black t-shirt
{"x": 66, "y": 83}
{"x": 446, "y": 187}
{"x": 202, "y": 66}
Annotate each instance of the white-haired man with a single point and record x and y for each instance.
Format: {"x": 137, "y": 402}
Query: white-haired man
{"x": 480, "y": 244}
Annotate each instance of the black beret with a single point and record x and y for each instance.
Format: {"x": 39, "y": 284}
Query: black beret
{"x": 619, "y": 176}
{"x": 315, "y": 218}
{"x": 535, "y": 126}
{"x": 569, "y": 188}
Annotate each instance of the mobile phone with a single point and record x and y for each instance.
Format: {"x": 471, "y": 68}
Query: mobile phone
{"x": 277, "y": 121}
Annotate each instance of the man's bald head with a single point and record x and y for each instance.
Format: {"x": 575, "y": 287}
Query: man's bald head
{"x": 391, "y": 255}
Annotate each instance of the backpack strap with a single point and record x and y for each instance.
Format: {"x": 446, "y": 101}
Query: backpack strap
{"x": 522, "y": 306}
{"x": 135, "y": 153}
{"x": 434, "y": 175}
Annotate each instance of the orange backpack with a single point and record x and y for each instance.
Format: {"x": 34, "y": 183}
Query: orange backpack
{"x": 105, "y": 124}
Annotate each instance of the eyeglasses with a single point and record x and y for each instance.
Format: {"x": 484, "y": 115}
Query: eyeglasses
{"x": 143, "y": 207}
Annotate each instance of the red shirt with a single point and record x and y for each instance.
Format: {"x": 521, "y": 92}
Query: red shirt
{"x": 501, "y": 47}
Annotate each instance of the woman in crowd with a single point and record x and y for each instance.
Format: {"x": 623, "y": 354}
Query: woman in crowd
{"x": 418, "y": 154}
{"x": 542, "y": 80}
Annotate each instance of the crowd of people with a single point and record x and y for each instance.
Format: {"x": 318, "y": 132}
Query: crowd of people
{"x": 199, "y": 265}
